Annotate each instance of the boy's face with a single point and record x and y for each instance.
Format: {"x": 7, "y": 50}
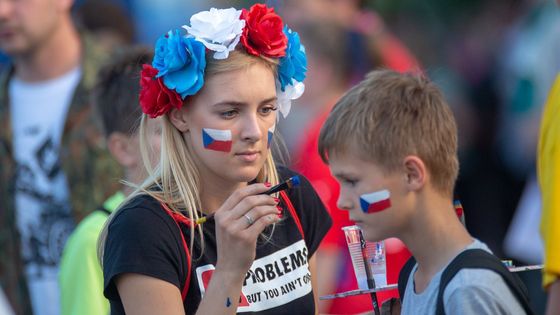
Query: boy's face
{"x": 361, "y": 179}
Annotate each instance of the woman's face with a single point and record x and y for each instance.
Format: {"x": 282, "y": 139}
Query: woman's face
{"x": 228, "y": 123}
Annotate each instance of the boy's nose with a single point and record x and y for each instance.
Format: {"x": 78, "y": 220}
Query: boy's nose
{"x": 343, "y": 202}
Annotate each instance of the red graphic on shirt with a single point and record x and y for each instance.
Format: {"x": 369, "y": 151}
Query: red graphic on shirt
{"x": 207, "y": 275}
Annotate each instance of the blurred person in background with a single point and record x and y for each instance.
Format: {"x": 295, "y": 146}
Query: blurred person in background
{"x": 549, "y": 174}
{"x": 327, "y": 77}
{"x": 460, "y": 47}
{"x": 53, "y": 163}
{"x": 115, "y": 98}
{"x": 528, "y": 65}
{"x": 531, "y": 62}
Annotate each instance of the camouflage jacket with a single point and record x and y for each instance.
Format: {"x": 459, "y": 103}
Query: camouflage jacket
{"x": 91, "y": 173}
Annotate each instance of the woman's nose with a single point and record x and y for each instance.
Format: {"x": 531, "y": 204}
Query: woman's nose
{"x": 251, "y": 129}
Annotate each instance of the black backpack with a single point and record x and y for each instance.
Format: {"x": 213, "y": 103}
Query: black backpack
{"x": 474, "y": 259}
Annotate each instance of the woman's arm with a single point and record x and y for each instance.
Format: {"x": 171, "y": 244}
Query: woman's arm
{"x": 236, "y": 238}
{"x": 142, "y": 294}
{"x": 222, "y": 295}
{"x": 239, "y": 222}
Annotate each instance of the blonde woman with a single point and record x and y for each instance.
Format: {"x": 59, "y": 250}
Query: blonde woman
{"x": 219, "y": 89}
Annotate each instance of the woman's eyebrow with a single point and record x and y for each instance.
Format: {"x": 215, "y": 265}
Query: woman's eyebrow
{"x": 230, "y": 103}
{"x": 269, "y": 100}
{"x": 237, "y": 103}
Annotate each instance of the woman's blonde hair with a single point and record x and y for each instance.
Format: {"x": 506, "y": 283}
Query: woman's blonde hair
{"x": 175, "y": 181}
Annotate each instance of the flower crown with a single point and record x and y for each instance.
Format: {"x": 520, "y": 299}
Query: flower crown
{"x": 177, "y": 69}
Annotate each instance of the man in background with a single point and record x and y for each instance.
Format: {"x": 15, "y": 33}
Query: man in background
{"x": 53, "y": 164}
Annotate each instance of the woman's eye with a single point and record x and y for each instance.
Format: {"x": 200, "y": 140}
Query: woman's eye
{"x": 268, "y": 109}
{"x": 229, "y": 113}
{"x": 351, "y": 182}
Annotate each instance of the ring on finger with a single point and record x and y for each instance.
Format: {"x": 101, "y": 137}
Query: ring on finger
{"x": 250, "y": 220}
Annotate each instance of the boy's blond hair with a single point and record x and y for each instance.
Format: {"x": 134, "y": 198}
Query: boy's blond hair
{"x": 389, "y": 116}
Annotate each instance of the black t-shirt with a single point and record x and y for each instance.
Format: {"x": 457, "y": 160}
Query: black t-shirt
{"x": 144, "y": 239}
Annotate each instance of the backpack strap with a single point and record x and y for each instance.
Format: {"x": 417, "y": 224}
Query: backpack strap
{"x": 404, "y": 274}
{"x": 179, "y": 218}
{"x": 481, "y": 259}
{"x": 293, "y": 212}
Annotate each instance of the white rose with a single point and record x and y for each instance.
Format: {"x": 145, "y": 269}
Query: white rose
{"x": 218, "y": 29}
{"x": 291, "y": 92}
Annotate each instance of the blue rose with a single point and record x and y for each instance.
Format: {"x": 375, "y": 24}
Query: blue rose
{"x": 181, "y": 62}
{"x": 294, "y": 64}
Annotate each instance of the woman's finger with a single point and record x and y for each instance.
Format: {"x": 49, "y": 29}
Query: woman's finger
{"x": 237, "y": 196}
{"x": 249, "y": 203}
{"x": 250, "y": 217}
{"x": 259, "y": 225}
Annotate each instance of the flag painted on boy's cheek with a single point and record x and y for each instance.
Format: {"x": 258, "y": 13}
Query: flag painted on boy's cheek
{"x": 270, "y": 135}
{"x": 217, "y": 140}
{"x": 375, "y": 201}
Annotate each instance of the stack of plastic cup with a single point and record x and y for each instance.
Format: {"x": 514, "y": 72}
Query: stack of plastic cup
{"x": 368, "y": 259}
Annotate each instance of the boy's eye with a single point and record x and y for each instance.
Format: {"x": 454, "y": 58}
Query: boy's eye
{"x": 350, "y": 182}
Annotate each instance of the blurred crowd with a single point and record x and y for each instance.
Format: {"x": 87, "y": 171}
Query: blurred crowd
{"x": 494, "y": 60}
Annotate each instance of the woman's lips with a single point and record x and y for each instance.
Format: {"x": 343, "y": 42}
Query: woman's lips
{"x": 248, "y": 156}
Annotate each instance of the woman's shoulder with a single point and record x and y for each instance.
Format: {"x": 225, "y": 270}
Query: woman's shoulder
{"x": 142, "y": 209}
{"x": 141, "y": 200}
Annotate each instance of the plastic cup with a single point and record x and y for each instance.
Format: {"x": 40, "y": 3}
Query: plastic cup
{"x": 368, "y": 259}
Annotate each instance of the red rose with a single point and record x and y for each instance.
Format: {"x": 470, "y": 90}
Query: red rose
{"x": 263, "y": 32}
{"x": 155, "y": 98}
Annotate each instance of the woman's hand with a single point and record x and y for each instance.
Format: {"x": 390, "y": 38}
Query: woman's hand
{"x": 239, "y": 221}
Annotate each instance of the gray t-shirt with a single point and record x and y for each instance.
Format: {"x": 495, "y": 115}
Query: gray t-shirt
{"x": 471, "y": 291}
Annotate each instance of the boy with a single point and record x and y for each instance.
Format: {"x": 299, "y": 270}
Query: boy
{"x": 116, "y": 99}
{"x": 391, "y": 143}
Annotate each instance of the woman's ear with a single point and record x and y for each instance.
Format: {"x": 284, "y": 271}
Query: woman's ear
{"x": 178, "y": 118}
{"x": 415, "y": 172}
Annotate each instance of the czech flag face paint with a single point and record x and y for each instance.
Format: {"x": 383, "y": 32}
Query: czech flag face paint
{"x": 375, "y": 201}
{"x": 217, "y": 140}
{"x": 270, "y": 135}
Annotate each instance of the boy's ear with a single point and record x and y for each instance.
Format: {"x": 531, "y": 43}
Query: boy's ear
{"x": 415, "y": 172}
{"x": 178, "y": 118}
{"x": 122, "y": 150}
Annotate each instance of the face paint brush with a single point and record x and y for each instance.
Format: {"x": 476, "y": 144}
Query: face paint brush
{"x": 288, "y": 184}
